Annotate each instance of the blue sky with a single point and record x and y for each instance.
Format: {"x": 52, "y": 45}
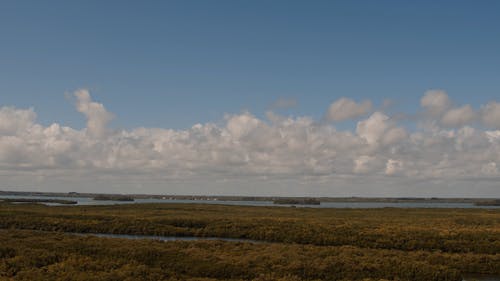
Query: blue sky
{"x": 166, "y": 58}
{"x": 174, "y": 97}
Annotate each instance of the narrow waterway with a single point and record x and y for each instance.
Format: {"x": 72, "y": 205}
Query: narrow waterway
{"x": 168, "y": 238}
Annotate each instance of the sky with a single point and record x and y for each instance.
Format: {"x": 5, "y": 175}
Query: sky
{"x": 292, "y": 98}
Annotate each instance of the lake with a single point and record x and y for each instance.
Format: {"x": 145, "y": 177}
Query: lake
{"x": 83, "y": 201}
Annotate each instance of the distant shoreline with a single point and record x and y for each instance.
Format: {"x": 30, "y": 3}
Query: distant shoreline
{"x": 477, "y": 201}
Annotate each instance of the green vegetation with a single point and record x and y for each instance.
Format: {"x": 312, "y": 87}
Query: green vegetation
{"x": 309, "y": 244}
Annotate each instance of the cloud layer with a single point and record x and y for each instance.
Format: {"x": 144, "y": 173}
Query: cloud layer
{"x": 454, "y": 144}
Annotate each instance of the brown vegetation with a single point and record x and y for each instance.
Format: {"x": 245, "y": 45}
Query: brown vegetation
{"x": 314, "y": 244}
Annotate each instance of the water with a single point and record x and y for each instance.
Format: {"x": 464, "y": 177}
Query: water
{"x": 85, "y": 201}
{"x": 168, "y": 238}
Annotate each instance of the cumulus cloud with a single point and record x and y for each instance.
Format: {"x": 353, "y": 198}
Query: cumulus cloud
{"x": 241, "y": 125}
{"x": 345, "y": 108}
{"x": 490, "y": 115}
{"x": 14, "y": 121}
{"x": 394, "y": 136}
{"x": 380, "y": 129}
{"x": 254, "y": 150}
{"x": 97, "y": 115}
{"x": 439, "y": 109}
{"x": 435, "y": 101}
{"x": 458, "y": 117}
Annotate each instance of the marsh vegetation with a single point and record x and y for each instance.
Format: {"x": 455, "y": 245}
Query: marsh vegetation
{"x": 304, "y": 243}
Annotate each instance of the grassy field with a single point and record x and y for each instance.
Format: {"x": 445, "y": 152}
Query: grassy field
{"x": 306, "y": 243}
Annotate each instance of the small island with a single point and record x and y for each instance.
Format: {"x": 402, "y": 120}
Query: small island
{"x": 113, "y": 198}
{"x": 300, "y": 201}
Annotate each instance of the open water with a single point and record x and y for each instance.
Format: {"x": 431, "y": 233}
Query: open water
{"x": 369, "y": 205}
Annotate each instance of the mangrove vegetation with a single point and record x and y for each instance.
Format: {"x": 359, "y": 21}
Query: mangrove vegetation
{"x": 303, "y": 243}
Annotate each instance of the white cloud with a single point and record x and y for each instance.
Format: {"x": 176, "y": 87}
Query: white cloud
{"x": 435, "y": 101}
{"x": 393, "y": 167}
{"x": 490, "y": 115}
{"x": 14, "y": 121}
{"x": 247, "y": 149}
{"x": 241, "y": 125}
{"x": 458, "y": 117}
{"x": 345, "y": 108}
{"x": 394, "y": 135}
{"x": 439, "y": 111}
{"x": 97, "y": 115}
{"x": 379, "y": 128}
